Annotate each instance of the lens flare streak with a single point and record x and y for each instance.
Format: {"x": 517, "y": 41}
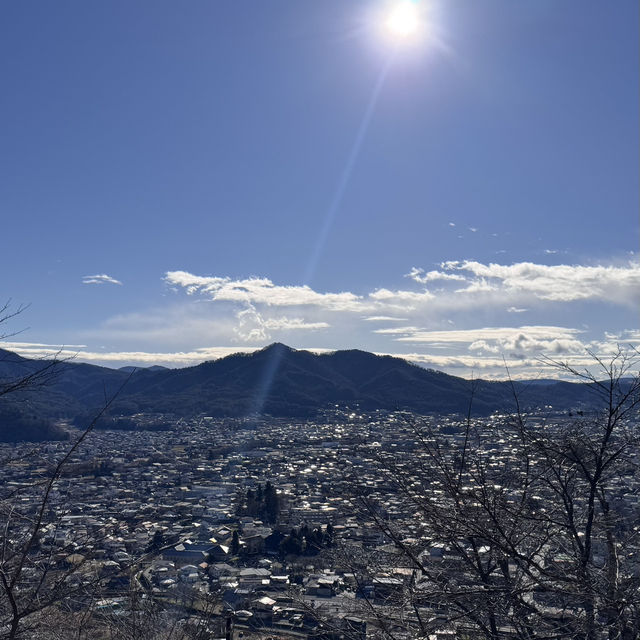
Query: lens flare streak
{"x": 345, "y": 176}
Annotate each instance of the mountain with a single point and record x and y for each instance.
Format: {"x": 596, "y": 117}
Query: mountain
{"x": 154, "y": 367}
{"x": 276, "y": 380}
{"x": 42, "y": 391}
{"x": 281, "y": 381}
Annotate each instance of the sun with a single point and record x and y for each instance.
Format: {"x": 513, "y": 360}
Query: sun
{"x": 403, "y": 21}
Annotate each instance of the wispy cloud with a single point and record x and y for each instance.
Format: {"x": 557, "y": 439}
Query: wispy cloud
{"x": 101, "y": 278}
{"x": 558, "y": 283}
{"x": 11, "y": 345}
{"x": 461, "y": 284}
{"x": 120, "y": 358}
{"x": 262, "y": 291}
{"x": 513, "y": 342}
{"x": 254, "y": 327}
{"x": 384, "y": 319}
{"x": 470, "y": 335}
{"x": 419, "y": 275}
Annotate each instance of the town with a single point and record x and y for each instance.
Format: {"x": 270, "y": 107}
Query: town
{"x": 258, "y": 527}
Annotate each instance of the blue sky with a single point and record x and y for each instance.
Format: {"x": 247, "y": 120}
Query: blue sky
{"x": 183, "y": 180}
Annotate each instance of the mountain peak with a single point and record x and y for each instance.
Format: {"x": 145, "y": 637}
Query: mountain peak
{"x": 277, "y": 347}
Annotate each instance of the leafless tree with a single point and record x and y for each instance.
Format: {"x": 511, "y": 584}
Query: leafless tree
{"x": 34, "y": 576}
{"x": 23, "y": 377}
{"x": 521, "y": 527}
{"x": 50, "y": 588}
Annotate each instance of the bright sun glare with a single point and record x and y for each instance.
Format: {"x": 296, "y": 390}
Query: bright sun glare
{"x": 403, "y": 21}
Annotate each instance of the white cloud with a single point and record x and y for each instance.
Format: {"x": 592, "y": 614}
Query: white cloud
{"x": 253, "y": 327}
{"x": 516, "y": 310}
{"x": 294, "y": 324}
{"x": 481, "y": 285}
{"x": 136, "y": 358}
{"x": 613, "y": 341}
{"x": 497, "y": 367}
{"x": 397, "y": 331}
{"x": 516, "y": 342}
{"x": 250, "y": 327}
{"x": 14, "y": 346}
{"x": 400, "y": 299}
{"x": 262, "y": 291}
{"x": 527, "y": 281}
{"x": 465, "y": 285}
{"x": 557, "y": 283}
{"x": 419, "y": 275}
{"x": 101, "y": 278}
{"x": 629, "y": 336}
{"x": 471, "y": 335}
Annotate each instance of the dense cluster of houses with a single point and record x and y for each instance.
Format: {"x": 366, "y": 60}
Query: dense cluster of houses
{"x": 163, "y": 512}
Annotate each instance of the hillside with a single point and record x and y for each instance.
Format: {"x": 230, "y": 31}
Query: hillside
{"x": 276, "y": 380}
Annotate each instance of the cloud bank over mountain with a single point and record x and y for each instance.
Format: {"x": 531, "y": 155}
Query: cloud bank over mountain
{"x": 459, "y": 316}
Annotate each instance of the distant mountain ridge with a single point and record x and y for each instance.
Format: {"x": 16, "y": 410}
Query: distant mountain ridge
{"x": 276, "y": 381}
{"x": 154, "y": 367}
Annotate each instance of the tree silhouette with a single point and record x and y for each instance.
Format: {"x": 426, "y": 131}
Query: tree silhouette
{"x": 235, "y": 544}
{"x": 522, "y": 527}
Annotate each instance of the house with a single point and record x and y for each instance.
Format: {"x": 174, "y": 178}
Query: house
{"x": 185, "y": 553}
